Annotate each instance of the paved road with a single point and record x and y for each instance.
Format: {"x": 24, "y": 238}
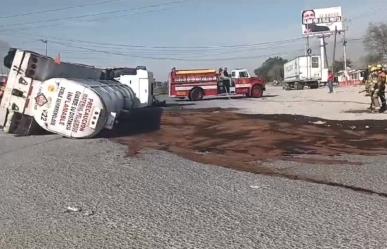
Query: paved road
{"x": 344, "y": 104}
{"x": 159, "y": 200}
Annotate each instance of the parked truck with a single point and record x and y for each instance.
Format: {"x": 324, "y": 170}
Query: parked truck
{"x": 195, "y": 84}
{"x": 304, "y": 71}
{"x": 69, "y": 99}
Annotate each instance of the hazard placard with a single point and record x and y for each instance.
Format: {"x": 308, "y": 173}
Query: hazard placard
{"x": 41, "y": 100}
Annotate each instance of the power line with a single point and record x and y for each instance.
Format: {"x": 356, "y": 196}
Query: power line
{"x": 171, "y": 53}
{"x": 173, "y": 48}
{"x": 95, "y": 14}
{"x": 40, "y": 26}
{"x": 168, "y": 51}
{"x": 58, "y": 9}
{"x": 164, "y": 58}
{"x": 244, "y": 47}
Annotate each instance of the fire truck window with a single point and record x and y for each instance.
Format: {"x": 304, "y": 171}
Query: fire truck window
{"x": 243, "y": 75}
{"x": 233, "y": 74}
{"x": 315, "y": 62}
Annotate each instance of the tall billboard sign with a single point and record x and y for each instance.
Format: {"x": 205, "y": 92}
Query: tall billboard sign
{"x": 322, "y": 21}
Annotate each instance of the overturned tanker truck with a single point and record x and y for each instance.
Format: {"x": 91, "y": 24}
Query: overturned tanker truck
{"x": 72, "y": 100}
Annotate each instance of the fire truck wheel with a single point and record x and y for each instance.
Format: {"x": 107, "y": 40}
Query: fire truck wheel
{"x": 196, "y": 94}
{"x": 257, "y": 91}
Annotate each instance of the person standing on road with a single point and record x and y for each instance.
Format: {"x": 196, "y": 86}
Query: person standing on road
{"x": 226, "y": 79}
{"x": 225, "y": 72}
{"x": 381, "y": 89}
{"x": 331, "y": 79}
{"x": 221, "y": 79}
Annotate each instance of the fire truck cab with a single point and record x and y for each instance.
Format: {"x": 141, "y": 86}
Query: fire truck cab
{"x": 198, "y": 83}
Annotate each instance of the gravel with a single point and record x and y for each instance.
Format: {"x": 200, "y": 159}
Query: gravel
{"x": 159, "y": 200}
{"x": 343, "y": 104}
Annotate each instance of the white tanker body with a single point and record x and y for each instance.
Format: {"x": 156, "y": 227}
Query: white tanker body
{"x": 81, "y": 108}
{"x": 67, "y": 99}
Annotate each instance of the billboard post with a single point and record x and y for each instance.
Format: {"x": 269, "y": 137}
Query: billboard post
{"x": 322, "y": 23}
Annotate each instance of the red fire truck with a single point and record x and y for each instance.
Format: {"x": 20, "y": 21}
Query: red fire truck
{"x": 199, "y": 83}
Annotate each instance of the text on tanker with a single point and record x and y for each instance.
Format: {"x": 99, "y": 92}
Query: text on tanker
{"x": 203, "y": 78}
{"x": 57, "y": 105}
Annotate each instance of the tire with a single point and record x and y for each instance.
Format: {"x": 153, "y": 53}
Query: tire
{"x": 256, "y": 91}
{"x": 286, "y": 86}
{"x": 314, "y": 85}
{"x": 196, "y": 94}
{"x": 299, "y": 86}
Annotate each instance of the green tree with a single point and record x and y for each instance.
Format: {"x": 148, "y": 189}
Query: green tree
{"x": 376, "y": 39}
{"x": 272, "y": 69}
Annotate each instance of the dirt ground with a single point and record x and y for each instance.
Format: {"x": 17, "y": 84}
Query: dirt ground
{"x": 243, "y": 142}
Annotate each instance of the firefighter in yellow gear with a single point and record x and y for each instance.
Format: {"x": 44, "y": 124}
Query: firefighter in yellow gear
{"x": 381, "y": 90}
{"x": 368, "y": 81}
{"x": 372, "y": 80}
{"x": 373, "y": 88}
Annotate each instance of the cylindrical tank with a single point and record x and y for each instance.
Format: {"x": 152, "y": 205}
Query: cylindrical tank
{"x": 81, "y": 108}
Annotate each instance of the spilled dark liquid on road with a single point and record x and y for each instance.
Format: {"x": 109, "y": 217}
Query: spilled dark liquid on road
{"x": 244, "y": 142}
{"x": 230, "y": 139}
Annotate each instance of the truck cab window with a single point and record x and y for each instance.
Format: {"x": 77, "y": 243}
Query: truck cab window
{"x": 243, "y": 74}
{"x": 315, "y": 62}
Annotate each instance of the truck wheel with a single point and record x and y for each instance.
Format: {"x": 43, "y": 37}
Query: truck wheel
{"x": 299, "y": 86}
{"x": 287, "y": 86}
{"x": 196, "y": 94}
{"x": 256, "y": 91}
{"x": 314, "y": 85}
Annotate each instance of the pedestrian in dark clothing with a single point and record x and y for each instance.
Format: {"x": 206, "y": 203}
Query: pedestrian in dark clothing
{"x": 331, "y": 79}
{"x": 225, "y": 72}
{"x": 226, "y": 80}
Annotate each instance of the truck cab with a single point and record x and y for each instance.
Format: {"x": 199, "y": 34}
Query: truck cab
{"x": 255, "y": 86}
{"x": 240, "y": 73}
{"x": 139, "y": 79}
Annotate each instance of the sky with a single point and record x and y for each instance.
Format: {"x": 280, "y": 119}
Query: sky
{"x": 162, "y": 34}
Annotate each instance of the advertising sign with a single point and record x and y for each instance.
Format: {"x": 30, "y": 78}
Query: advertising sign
{"x": 322, "y": 21}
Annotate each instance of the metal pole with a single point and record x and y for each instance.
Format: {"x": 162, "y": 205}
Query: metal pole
{"x": 345, "y": 53}
{"x": 45, "y": 42}
{"x": 307, "y": 57}
{"x": 334, "y": 51}
{"x": 324, "y": 56}
{"x": 325, "y": 52}
{"x": 322, "y": 50}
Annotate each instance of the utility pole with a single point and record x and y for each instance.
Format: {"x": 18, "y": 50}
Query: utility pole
{"x": 334, "y": 51}
{"x": 345, "y": 47}
{"x": 324, "y": 56}
{"x": 307, "y": 54}
{"x": 45, "y": 42}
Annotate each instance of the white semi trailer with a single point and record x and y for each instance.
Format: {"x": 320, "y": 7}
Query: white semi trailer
{"x": 304, "y": 71}
{"x": 72, "y": 100}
